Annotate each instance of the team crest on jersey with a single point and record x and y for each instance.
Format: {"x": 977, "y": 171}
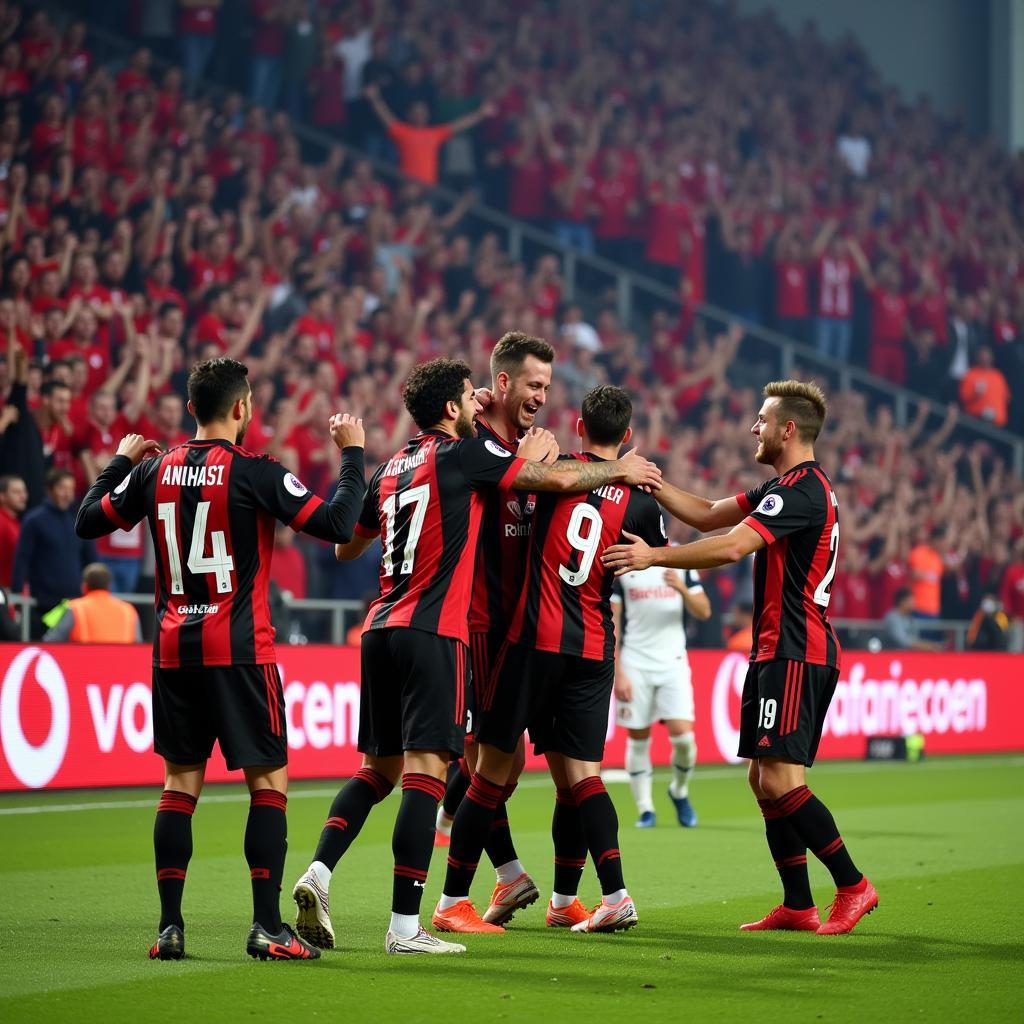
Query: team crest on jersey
{"x": 123, "y": 485}
{"x": 514, "y": 507}
{"x": 495, "y": 449}
{"x": 531, "y": 505}
{"x": 771, "y": 505}
{"x": 294, "y": 486}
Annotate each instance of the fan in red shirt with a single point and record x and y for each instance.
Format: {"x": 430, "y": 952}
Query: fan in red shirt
{"x": 1011, "y": 590}
{"x": 669, "y": 230}
{"x": 528, "y": 175}
{"x": 890, "y": 324}
{"x": 85, "y": 341}
{"x": 13, "y": 502}
{"x": 91, "y": 141}
{"x": 50, "y": 134}
{"x": 39, "y": 43}
{"x": 55, "y": 426}
{"x": 834, "y": 326}
{"x": 216, "y": 263}
{"x": 14, "y": 80}
{"x": 792, "y": 299}
{"x": 318, "y": 320}
{"x": 614, "y": 202}
{"x": 136, "y": 77}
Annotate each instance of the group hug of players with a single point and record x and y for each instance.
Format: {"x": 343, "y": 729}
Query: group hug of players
{"x": 505, "y": 568}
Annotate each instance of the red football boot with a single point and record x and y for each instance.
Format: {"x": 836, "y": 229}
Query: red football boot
{"x": 785, "y": 919}
{"x": 848, "y": 908}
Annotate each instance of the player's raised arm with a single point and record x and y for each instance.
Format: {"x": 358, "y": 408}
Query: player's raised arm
{"x": 703, "y": 514}
{"x": 287, "y": 498}
{"x": 102, "y": 511}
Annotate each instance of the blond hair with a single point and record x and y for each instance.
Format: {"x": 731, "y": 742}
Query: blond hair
{"x": 802, "y": 402}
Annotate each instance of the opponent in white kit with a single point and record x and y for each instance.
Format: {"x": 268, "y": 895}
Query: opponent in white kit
{"x": 652, "y": 679}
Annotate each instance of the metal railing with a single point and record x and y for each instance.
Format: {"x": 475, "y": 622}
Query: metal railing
{"x": 856, "y": 634}
{"x": 635, "y": 291}
{"x": 302, "y": 612}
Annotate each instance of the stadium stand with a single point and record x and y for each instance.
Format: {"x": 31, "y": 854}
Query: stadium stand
{"x": 149, "y": 219}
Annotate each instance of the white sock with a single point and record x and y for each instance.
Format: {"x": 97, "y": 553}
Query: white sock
{"x": 322, "y": 873}
{"x": 447, "y": 902}
{"x": 405, "y": 926}
{"x": 684, "y": 757}
{"x": 509, "y": 872}
{"x": 444, "y": 823}
{"x": 560, "y": 901}
{"x": 614, "y": 897}
{"x": 638, "y": 764}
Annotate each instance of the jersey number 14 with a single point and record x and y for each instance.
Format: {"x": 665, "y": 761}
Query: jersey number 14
{"x": 218, "y": 562}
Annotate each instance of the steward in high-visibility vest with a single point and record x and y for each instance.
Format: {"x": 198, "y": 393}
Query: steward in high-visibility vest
{"x": 97, "y": 617}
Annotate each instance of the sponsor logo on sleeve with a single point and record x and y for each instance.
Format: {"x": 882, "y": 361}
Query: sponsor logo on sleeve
{"x": 495, "y": 449}
{"x": 294, "y": 486}
{"x": 771, "y": 505}
{"x": 122, "y": 486}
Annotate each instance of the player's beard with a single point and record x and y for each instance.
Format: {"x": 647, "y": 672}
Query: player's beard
{"x": 464, "y": 427}
{"x": 769, "y": 450}
{"x": 243, "y": 427}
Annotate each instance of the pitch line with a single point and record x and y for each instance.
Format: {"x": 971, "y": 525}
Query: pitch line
{"x": 612, "y": 775}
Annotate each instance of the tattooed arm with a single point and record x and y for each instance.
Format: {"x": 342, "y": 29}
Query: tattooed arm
{"x": 572, "y": 476}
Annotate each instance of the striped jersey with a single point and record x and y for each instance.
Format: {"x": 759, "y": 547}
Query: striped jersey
{"x": 501, "y": 556}
{"x": 565, "y": 603}
{"x": 426, "y": 503}
{"x": 797, "y": 514}
{"x": 212, "y": 508}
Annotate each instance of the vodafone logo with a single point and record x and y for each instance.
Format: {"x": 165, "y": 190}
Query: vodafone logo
{"x": 725, "y": 704}
{"x": 34, "y": 766}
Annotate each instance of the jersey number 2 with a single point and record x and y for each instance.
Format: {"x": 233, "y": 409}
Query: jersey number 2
{"x": 823, "y": 591}
{"x": 219, "y": 562}
{"x": 418, "y": 497}
{"x": 585, "y": 545}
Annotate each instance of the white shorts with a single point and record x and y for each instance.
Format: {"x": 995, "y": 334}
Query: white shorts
{"x": 658, "y": 696}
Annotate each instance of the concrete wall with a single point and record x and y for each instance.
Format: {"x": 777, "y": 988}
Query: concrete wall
{"x": 937, "y": 47}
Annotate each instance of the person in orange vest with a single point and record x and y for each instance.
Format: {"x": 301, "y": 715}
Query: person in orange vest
{"x": 97, "y": 617}
{"x": 984, "y": 392}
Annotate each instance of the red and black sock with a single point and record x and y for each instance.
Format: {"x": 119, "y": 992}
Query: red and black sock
{"x": 266, "y": 842}
{"x": 601, "y": 827}
{"x": 172, "y": 844}
{"x": 469, "y": 833}
{"x": 790, "y": 856}
{"x": 814, "y": 823}
{"x": 458, "y": 783}
{"x": 570, "y": 844}
{"x": 412, "y": 842}
{"x": 500, "y": 848}
{"x": 348, "y": 814}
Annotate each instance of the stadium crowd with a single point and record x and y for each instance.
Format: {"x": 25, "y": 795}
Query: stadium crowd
{"x": 146, "y": 224}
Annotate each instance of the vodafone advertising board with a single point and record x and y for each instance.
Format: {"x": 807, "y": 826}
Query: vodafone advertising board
{"x": 75, "y": 716}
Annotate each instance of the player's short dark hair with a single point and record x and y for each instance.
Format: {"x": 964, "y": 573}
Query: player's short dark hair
{"x": 55, "y": 475}
{"x": 431, "y": 386}
{"x": 606, "y": 412}
{"x": 803, "y": 402}
{"x": 512, "y": 349}
{"x": 96, "y": 576}
{"x": 214, "y": 386}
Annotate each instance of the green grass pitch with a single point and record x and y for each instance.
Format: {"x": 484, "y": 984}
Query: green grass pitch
{"x": 943, "y": 841}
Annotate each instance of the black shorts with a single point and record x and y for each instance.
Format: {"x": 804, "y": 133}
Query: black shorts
{"x": 239, "y": 706}
{"x": 413, "y": 692}
{"x": 563, "y": 700}
{"x": 483, "y": 651}
{"x": 783, "y": 709}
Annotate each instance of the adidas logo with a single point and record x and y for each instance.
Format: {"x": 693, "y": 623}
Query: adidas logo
{"x": 764, "y": 742}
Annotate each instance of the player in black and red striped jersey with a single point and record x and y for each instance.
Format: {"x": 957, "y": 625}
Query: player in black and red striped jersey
{"x": 554, "y": 675}
{"x": 426, "y": 504}
{"x": 520, "y": 379}
{"x": 792, "y": 523}
{"x": 212, "y": 509}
